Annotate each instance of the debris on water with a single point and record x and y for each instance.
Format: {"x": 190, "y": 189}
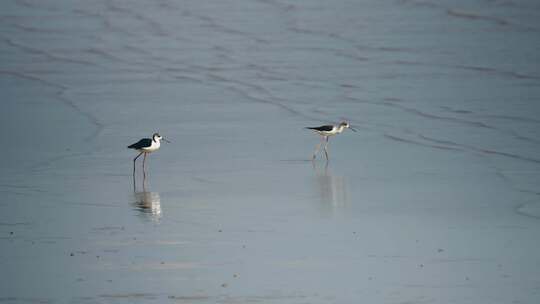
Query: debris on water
{"x": 235, "y": 275}
{"x": 162, "y": 263}
{"x": 219, "y": 230}
{"x": 466, "y": 278}
{"x": 440, "y": 250}
{"x": 421, "y": 265}
{"x": 224, "y": 285}
{"x": 72, "y": 254}
{"x": 11, "y": 232}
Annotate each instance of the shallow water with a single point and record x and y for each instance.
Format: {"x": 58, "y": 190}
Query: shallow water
{"x": 434, "y": 200}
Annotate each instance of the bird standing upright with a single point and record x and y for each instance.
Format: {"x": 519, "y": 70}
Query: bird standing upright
{"x": 326, "y": 131}
{"x": 146, "y": 145}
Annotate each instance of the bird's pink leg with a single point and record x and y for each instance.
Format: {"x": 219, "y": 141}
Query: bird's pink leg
{"x": 325, "y": 148}
{"x": 317, "y": 147}
{"x": 134, "y": 160}
{"x": 143, "y": 166}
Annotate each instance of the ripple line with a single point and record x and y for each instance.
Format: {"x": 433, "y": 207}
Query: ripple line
{"x": 481, "y": 150}
{"x": 475, "y": 16}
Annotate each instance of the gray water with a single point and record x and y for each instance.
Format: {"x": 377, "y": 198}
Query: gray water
{"x": 434, "y": 200}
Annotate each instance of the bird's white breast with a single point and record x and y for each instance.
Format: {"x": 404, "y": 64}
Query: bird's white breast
{"x": 155, "y": 145}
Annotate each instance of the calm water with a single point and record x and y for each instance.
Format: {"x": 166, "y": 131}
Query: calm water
{"x": 434, "y": 200}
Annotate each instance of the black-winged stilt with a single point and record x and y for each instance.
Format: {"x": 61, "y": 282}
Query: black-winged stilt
{"x": 326, "y": 131}
{"x": 146, "y": 145}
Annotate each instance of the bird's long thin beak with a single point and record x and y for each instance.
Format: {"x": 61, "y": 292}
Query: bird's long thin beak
{"x": 165, "y": 140}
{"x": 352, "y": 129}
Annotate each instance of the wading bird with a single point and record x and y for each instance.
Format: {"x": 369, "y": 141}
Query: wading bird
{"x": 146, "y": 145}
{"x": 327, "y": 131}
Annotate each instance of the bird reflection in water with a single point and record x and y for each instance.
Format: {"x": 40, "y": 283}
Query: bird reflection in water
{"x": 332, "y": 190}
{"x": 148, "y": 204}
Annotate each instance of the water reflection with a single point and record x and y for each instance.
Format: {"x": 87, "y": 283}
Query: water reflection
{"x": 148, "y": 204}
{"x": 332, "y": 190}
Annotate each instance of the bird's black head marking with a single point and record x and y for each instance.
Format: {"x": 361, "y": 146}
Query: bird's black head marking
{"x": 156, "y": 137}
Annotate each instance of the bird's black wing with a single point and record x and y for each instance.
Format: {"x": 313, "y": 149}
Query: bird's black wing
{"x": 326, "y": 128}
{"x": 143, "y": 143}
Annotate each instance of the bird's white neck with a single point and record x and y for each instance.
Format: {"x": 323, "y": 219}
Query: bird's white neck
{"x": 340, "y": 128}
{"x": 156, "y": 144}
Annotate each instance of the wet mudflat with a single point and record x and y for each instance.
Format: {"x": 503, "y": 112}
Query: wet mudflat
{"x": 434, "y": 200}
